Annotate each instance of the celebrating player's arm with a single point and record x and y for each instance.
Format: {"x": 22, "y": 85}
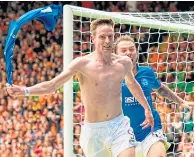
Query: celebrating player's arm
{"x": 169, "y": 94}
{"x": 47, "y": 87}
{"x": 137, "y": 92}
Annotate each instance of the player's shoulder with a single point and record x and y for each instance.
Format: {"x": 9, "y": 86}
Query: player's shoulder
{"x": 147, "y": 69}
{"x": 83, "y": 59}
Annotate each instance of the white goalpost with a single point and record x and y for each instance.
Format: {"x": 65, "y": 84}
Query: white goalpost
{"x": 68, "y": 90}
{"x": 165, "y": 41}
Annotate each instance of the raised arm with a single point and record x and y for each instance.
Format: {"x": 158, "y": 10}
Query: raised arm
{"x": 137, "y": 92}
{"x": 169, "y": 94}
{"x": 47, "y": 87}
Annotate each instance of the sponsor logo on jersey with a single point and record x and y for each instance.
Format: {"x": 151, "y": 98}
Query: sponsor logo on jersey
{"x": 144, "y": 82}
{"x": 130, "y": 101}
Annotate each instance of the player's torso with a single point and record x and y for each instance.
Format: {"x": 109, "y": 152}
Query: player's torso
{"x": 101, "y": 87}
{"x": 145, "y": 81}
{"x": 102, "y": 80}
{"x": 133, "y": 109}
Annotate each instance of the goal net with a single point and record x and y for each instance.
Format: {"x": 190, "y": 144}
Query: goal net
{"x": 165, "y": 42}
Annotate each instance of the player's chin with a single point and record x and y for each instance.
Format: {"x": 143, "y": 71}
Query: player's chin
{"x": 107, "y": 50}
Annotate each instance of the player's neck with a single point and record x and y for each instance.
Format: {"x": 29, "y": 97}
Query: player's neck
{"x": 101, "y": 58}
{"x": 134, "y": 69}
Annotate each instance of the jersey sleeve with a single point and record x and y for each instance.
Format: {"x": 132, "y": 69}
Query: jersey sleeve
{"x": 155, "y": 83}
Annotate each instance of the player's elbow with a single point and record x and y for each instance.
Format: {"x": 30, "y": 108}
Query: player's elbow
{"x": 51, "y": 87}
{"x": 130, "y": 82}
{"x": 133, "y": 85}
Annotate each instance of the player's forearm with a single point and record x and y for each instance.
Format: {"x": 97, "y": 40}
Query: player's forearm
{"x": 137, "y": 92}
{"x": 169, "y": 94}
{"x": 43, "y": 88}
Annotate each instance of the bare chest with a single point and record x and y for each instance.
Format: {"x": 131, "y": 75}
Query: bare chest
{"x": 105, "y": 77}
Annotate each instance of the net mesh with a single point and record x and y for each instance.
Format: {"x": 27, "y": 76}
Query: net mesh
{"x": 174, "y": 17}
{"x": 171, "y": 56}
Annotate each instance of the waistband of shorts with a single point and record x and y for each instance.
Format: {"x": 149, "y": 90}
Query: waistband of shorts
{"x": 104, "y": 123}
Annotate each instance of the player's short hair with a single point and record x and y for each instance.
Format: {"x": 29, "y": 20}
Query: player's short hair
{"x": 122, "y": 38}
{"x": 98, "y": 22}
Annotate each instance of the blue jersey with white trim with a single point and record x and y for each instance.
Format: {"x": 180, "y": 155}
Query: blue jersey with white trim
{"x": 133, "y": 109}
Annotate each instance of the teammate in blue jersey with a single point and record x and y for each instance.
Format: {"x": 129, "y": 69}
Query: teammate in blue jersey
{"x": 152, "y": 144}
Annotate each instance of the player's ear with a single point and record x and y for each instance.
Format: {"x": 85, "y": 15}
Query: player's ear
{"x": 92, "y": 38}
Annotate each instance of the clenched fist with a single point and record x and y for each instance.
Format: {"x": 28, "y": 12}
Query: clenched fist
{"x": 15, "y": 91}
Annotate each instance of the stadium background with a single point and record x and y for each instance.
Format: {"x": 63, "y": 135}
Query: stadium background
{"x": 34, "y": 126}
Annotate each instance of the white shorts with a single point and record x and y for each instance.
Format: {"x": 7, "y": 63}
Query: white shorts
{"x": 144, "y": 146}
{"x": 107, "y": 139}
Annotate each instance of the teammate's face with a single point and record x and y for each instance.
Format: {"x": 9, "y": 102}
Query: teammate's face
{"x": 104, "y": 38}
{"x": 127, "y": 48}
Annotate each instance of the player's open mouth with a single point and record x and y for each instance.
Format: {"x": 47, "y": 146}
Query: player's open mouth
{"x": 107, "y": 47}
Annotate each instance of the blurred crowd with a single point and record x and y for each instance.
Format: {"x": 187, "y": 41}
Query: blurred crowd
{"x": 33, "y": 126}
